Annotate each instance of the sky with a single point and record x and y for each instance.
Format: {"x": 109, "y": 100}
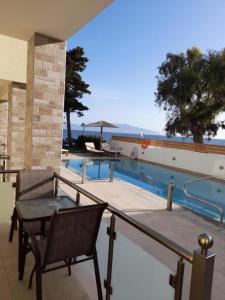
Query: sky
{"x": 127, "y": 42}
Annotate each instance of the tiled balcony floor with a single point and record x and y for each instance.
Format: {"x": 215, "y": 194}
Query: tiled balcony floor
{"x": 57, "y": 285}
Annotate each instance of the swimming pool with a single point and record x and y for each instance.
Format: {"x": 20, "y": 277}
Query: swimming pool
{"x": 155, "y": 179}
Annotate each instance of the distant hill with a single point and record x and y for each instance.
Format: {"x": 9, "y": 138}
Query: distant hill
{"x": 122, "y": 128}
{"x": 129, "y": 128}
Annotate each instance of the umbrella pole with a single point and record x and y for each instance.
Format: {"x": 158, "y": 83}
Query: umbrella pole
{"x": 101, "y": 135}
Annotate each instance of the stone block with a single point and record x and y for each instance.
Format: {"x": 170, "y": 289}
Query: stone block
{"x": 45, "y": 111}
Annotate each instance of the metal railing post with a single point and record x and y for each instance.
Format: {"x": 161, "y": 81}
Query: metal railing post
{"x": 4, "y": 168}
{"x": 78, "y": 198}
{"x": 56, "y": 186}
{"x": 84, "y": 170}
{"x": 17, "y": 187}
{"x": 170, "y": 195}
{"x": 202, "y": 269}
{"x": 112, "y": 236}
{"x": 111, "y": 171}
{"x": 176, "y": 281}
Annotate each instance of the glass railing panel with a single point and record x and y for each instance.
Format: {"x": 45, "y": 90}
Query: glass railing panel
{"x": 136, "y": 274}
{"x": 102, "y": 252}
{"x": 98, "y": 169}
{"x": 7, "y": 201}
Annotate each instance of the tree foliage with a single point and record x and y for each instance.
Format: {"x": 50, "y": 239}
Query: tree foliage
{"x": 75, "y": 87}
{"x": 191, "y": 88}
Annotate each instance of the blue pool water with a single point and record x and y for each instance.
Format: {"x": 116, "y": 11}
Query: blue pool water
{"x": 155, "y": 179}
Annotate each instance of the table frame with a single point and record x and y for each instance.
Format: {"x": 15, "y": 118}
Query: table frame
{"x": 21, "y": 221}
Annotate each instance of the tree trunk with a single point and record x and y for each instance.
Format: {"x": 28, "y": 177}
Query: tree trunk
{"x": 197, "y": 137}
{"x": 69, "y": 133}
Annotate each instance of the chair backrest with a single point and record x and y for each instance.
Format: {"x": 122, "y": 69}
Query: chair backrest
{"x": 34, "y": 184}
{"x": 90, "y": 146}
{"x": 112, "y": 146}
{"x": 106, "y": 147}
{"x": 73, "y": 232}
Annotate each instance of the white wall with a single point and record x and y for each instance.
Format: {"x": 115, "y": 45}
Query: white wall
{"x": 192, "y": 161}
{"x": 13, "y": 59}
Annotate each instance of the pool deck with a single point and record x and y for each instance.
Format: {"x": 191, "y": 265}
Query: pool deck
{"x": 179, "y": 225}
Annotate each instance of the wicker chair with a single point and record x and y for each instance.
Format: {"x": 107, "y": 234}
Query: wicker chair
{"x": 73, "y": 233}
{"x": 32, "y": 184}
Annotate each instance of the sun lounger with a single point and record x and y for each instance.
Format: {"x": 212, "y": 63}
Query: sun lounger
{"x": 108, "y": 149}
{"x": 65, "y": 151}
{"x": 91, "y": 148}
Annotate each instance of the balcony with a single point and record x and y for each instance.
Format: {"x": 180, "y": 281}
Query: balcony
{"x": 150, "y": 247}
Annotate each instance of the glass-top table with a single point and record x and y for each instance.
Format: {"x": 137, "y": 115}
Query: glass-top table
{"x": 37, "y": 210}
{"x": 40, "y": 209}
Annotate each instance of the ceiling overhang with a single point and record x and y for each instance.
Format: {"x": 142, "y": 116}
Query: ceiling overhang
{"x": 54, "y": 18}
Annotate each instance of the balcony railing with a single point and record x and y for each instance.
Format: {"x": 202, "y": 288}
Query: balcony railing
{"x": 129, "y": 272}
{"x": 121, "y": 249}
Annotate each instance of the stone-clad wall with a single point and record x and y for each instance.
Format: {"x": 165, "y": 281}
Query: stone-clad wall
{"x": 3, "y": 123}
{"x": 45, "y": 102}
{"x": 16, "y": 125}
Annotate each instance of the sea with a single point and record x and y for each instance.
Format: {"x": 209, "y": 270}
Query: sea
{"x": 108, "y": 135}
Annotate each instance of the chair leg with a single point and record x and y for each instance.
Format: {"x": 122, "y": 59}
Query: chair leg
{"x": 68, "y": 263}
{"x": 69, "y": 269}
{"x": 38, "y": 284}
{"x": 97, "y": 276}
{"x": 31, "y": 277}
{"x": 13, "y": 225}
{"x": 24, "y": 254}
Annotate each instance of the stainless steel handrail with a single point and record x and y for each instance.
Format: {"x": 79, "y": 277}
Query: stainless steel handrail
{"x": 217, "y": 207}
{"x": 201, "y": 268}
{"x": 180, "y": 251}
{"x": 9, "y": 171}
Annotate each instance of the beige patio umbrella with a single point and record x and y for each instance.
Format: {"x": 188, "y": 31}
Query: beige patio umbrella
{"x": 101, "y": 124}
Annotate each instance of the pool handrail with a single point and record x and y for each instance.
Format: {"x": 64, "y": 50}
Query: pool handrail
{"x": 204, "y": 201}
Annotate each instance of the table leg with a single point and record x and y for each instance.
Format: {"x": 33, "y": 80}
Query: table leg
{"x": 42, "y": 228}
{"x": 4, "y": 168}
{"x": 20, "y": 250}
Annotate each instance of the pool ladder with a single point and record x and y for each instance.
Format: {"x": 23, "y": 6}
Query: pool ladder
{"x": 218, "y": 208}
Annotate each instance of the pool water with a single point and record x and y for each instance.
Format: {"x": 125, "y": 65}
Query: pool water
{"x": 155, "y": 179}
